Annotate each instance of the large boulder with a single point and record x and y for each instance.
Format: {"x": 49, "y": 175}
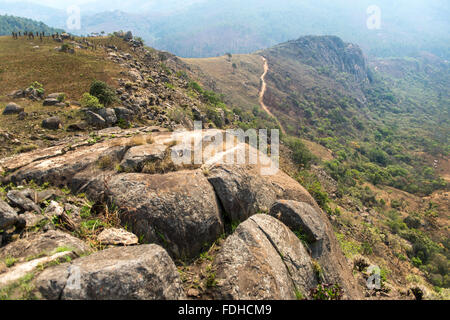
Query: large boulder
{"x": 56, "y": 95}
{"x": 136, "y": 157}
{"x": 94, "y": 119}
{"x": 124, "y": 113}
{"x": 128, "y": 36}
{"x": 132, "y": 273}
{"x": 301, "y": 217}
{"x": 52, "y": 123}
{"x": 243, "y": 191}
{"x": 263, "y": 260}
{"x": 8, "y": 217}
{"x": 177, "y": 210}
{"x": 12, "y": 108}
{"x": 43, "y": 244}
{"x": 109, "y": 115}
{"x": 325, "y": 248}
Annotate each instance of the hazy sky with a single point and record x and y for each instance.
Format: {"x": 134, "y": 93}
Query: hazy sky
{"x": 58, "y": 3}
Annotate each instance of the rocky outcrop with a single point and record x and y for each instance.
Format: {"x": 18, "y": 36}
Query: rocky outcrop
{"x": 263, "y": 260}
{"x": 184, "y": 210}
{"x": 43, "y": 244}
{"x": 132, "y": 273}
{"x": 301, "y": 217}
{"x": 61, "y": 169}
{"x": 319, "y": 51}
{"x": 243, "y": 191}
{"x": 177, "y": 210}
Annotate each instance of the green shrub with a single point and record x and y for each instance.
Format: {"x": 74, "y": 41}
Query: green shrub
{"x": 416, "y": 261}
{"x": 90, "y": 102}
{"x": 105, "y": 94}
{"x": 300, "y": 154}
{"x": 38, "y": 87}
{"x": 327, "y": 292}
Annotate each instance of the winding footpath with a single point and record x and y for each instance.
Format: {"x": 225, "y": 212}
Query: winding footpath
{"x": 263, "y": 91}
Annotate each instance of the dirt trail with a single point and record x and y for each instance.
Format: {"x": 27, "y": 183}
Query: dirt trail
{"x": 263, "y": 91}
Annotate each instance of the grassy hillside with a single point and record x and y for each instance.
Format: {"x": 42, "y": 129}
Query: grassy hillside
{"x": 56, "y": 72}
{"x": 238, "y": 75}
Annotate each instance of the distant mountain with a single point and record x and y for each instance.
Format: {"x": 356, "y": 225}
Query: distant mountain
{"x": 202, "y": 28}
{"x": 215, "y": 27}
{"x": 9, "y": 24}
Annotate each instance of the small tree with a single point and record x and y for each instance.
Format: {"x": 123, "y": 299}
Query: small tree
{"x": 90, "y": 102}
{"x": 105, "y": 94}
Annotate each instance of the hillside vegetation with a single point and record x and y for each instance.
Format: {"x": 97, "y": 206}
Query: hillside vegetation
{"x": 386, "y": 123}
{"x": 9, "y": 24}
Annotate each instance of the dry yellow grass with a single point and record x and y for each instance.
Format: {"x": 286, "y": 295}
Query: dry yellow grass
{"x": 21, "y": 64}
{"x": 241, "y": 85}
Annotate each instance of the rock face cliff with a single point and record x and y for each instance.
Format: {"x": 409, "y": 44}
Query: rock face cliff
{"x": 326, "y": 51}
{"x": 180, "y": 210}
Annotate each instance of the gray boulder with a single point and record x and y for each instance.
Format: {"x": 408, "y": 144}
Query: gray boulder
{"x": 56, "y": 95}
{"x": 20, "y": 200}
{"x": 12, "y": 108}
{"x": 128, "y": 36}
{"x": 52, "y": 123}
{"x": 50, "y": 102}
{"x": 132, "y": 273}
{"x": 124, "y": 113}
{"x": 116, "y": 237}
{"x": 136, "y": 157}
{"x": 263, "y": 260}
{"x": 303, "y": 218}
{"x": 177, "y": 210}
{"x": 241, "y": 192}
{"x": 8, "y": 217}
{"x": 22, "y": 116}
{"x": 95, "y": 119}
{"x": 109, "y": 115}
{"x": 324, "y": 246}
